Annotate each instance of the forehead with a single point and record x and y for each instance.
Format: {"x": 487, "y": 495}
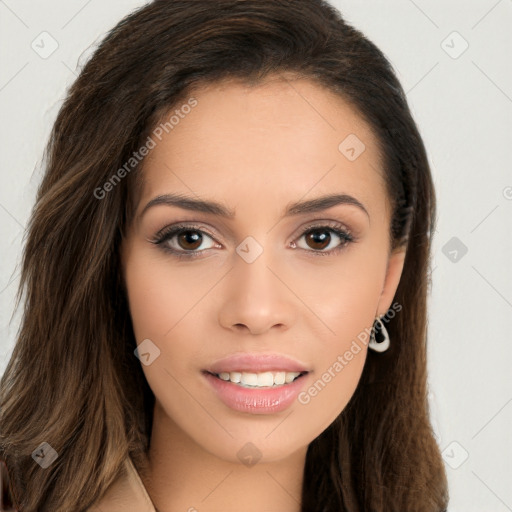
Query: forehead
{"x": 280, "y": 139}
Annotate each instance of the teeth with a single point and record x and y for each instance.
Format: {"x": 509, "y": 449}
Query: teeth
{"x": 249, "y": 379}
{"x": 261, "y": 380}
{"x": 280, "y": 378}
{"x": 289, "y": 377}
{"x": 235, "y": 376}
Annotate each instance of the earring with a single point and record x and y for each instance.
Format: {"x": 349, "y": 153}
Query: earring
{"x": 381, "y": 344}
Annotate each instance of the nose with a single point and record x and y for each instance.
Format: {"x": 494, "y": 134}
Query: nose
{"x": 256, "y": 297}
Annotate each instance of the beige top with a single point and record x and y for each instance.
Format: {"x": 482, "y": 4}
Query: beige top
{"x": 126, "y": 494}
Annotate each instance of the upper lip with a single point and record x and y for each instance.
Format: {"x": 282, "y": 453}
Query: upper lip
{"x": 255, "y": 362}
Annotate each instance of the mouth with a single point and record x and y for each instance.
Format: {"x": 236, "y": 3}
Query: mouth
{"x": 264, "y": 392}
{"x": 258, "y": 380}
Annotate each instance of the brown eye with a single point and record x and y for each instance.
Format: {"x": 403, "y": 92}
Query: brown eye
{"x": 318, "y": 239}
{"x": 189, "y": 240}
{"x": 184, "y": 241}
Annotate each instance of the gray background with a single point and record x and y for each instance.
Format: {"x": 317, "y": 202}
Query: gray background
{"x": 461, "y": 100}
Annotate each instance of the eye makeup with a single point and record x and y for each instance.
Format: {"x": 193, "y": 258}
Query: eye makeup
{"x": 168, "y": 234}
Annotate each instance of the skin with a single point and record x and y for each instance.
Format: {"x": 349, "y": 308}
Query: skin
{"x": 255, "y": 150}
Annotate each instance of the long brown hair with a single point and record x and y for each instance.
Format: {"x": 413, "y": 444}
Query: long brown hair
{"x": 73, "y": 380}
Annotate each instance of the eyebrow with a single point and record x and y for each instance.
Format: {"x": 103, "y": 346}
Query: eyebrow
{"x": 297, "y": 208}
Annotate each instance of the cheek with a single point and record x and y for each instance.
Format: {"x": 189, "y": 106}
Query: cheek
{"x": 158, "y": 294}
{"x": 343, "y": 293}
{"x": 164, "y": 302}
{"x": 331, "y": 387}
{"x": 344, "y": 298}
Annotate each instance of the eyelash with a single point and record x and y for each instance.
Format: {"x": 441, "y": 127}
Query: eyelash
{"x": 169, "y": 232}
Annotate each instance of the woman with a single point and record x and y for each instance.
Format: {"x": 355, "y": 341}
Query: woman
{"x": 226, "y": 276}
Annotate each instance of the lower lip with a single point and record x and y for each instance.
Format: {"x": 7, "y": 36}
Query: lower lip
{"x": 257, "y": 400}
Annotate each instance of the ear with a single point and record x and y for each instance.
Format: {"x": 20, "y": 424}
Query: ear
{"x": 393, "y": 274}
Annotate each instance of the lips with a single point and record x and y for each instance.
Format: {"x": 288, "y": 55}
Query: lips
{"x": 258, "y": 400}
{"x": 256, "y": 363}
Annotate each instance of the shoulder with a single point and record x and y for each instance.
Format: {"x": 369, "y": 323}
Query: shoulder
{"x": 126, "y": 494}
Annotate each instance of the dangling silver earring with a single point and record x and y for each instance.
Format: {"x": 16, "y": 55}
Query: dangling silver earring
{"x": 381, "y": 344}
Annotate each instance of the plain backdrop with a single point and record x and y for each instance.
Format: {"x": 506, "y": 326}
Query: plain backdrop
{"x": 453, "y": 60}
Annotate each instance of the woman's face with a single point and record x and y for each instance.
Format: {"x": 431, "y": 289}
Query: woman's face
{"x": 262, "y": 281}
